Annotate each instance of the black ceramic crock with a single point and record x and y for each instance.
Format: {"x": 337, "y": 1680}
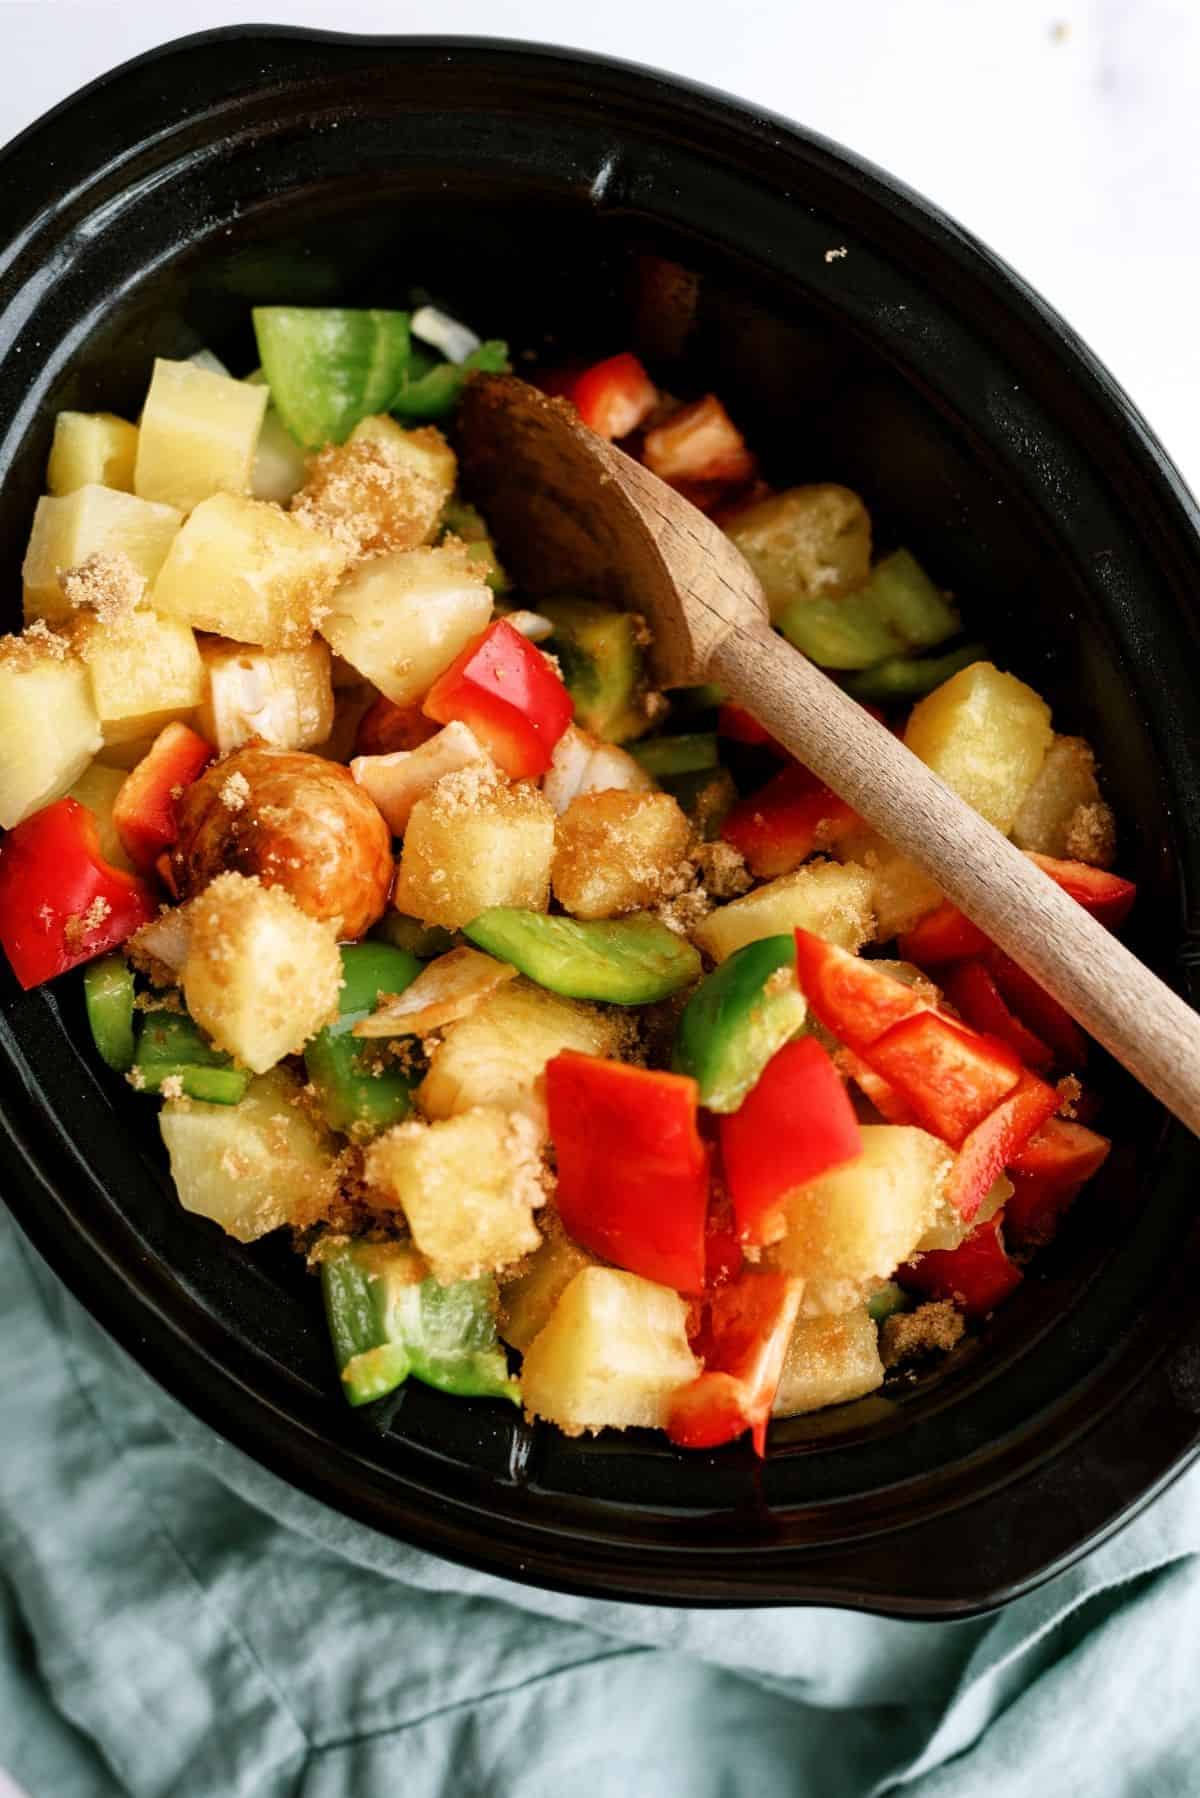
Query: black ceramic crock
{"x": 857, "y": 336}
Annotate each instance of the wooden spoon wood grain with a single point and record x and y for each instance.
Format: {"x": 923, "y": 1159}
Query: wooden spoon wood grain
{"x": 572, "y": 513}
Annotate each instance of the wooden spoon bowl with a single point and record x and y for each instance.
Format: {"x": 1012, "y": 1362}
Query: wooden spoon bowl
{"x": 573, "y": 513}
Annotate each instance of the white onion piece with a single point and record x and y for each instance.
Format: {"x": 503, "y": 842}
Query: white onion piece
{"x": 583, "y": 764}
{"x": 532, "y": 625}
{"x": 452, "y": 987}
{"x": 396, "y": 781}
{"x": 456, "y": 341}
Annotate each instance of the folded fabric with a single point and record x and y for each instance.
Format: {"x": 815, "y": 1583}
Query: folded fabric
{"x": 174, "y": 1620}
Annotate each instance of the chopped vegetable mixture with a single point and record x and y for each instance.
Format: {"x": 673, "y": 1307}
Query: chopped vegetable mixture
{"x": 599, "y": 1059}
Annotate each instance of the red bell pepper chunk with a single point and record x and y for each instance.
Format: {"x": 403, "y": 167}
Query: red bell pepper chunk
{"x": 991, "y": 1146}
{"x": 386, "y": 727}
{"x": 700, "y": 442}
{"x": 145, "y": 809}
{"x": 778, "y": 827}
{"x": 1108, "y": 897}
{"x": 503, "y": 687}
{"x": 745, "y": 1340}
{"x": 723, "y": 1257}
{"x": 741, "y": 726}
{"x": 795, "y": 1123}
{"x": 1038, "y": 1009}
{"x": 1047, "y": 1174}
{"x": 612, "y": 397}
{"x": 883, "y": 1096}
{"x": 632, "y": 1168}
{"x": 974, "y": 994}
{"x": 854, "y": 1000}
{"x": 946, "y": 935}
{"x": 952, "y": 1077}
{"x": 942, "y": 935}
{"x": 977, "y": 1275}
{"x": 61, "y": 903}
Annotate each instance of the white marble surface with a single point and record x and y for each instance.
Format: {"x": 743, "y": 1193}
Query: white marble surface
{"x": 1063, "y": 132}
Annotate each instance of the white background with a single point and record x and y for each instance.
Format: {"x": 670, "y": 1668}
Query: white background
{"x": 1063, "y": 132}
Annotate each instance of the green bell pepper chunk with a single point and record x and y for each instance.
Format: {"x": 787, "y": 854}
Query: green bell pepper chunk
{"x": 737, "y": 1018}
{"x": 907, "y": 677}
{"x": 330, "y": 366}
{"x": 171, "y": 1038}
{"x": 887, "y": 1301}
{"x": 171, "y": 1046}
{"x": 360, "y": 1095}
{"x": 705, "y": 698}
{"x": 211, "y": 1085}
{"x": 108, "y": 996}
{"x": 898, "y": 610}
{"x": 840, "y": 633}
{"x": 386, "y": 1322}
{"x": 905, "y": 598}
{"x": 602, "y": 665}
{"x": 466, "y": 522}
{"x": 623, "y": 961}
{"x": 422, "y": 940}
{"x": 435, "y": 393}
{"x": 707, "y": 795}
{"x": 689, "y": 754}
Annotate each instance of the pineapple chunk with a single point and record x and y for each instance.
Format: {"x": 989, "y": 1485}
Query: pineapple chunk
{"x": 857, "y": 1224}
{"x": 91, "y": 521}
{"x": 1061, "y": 805}
{"x": 279, "y": 696}
{"x": 619, "y": 852}
{"x": 91, "y": 448}
{"x": 986, "y": 734}
{"x": 613, "y": 1354}
{"x": 397, "y": 780}
{"x": 807, "y": 543}
{"x": 498, "y": 1055}
{"x": 383, "y": 489}
{"x": 829, "y": 900}
{"x": 198, "y": 435}
{"x": 468, "y": 1187}
{"x": 97, "y": 789}
{"x": 401, "y": 619}
{"x": 49, "y": 730}
{"x": 473, "y": 842}
{"x": 246, "y": 570}
{"x": 145, "y": 671}
{"x": 528, "y": 1297}
{"x": 261, "y": 976}
{"x": 900, "y": 891}
{"x": 829, "y": 1361}
{"x": 254, "y": 1166}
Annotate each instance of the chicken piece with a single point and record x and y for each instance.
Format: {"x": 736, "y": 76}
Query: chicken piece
{"x": 620, "y": 852}
{"x": 295, "y": 820}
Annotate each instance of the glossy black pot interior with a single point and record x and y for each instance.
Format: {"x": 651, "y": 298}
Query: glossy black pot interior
{"x": 525, "y": 189}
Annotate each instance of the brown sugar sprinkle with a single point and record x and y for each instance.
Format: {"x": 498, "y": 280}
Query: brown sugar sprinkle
{"x": 1092, "y": 835}
{"x": 36, "y": 643}
{"x": 84, "y": 923}
{"x": 366, "y": 499}
{"x": 172, "y": 1087}
{"x": 908, "y": 1334}
{"x": 685, "y": 911}
{"x": 1069, "y": 1091}
{"x": 109, "y": 585}
{"x": 722, "y": 869}
{"x": 456, "y": 794}
{"x": 236, "y": 792}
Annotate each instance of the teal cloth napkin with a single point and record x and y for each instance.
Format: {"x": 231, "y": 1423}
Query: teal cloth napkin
{"x": 174, "y": 1620}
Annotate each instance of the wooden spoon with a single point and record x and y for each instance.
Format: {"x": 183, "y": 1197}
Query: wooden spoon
{"x": 573, "y": 514}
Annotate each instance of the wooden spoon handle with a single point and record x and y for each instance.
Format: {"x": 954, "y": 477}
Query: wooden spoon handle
{"x": 1117, "y": 1000}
